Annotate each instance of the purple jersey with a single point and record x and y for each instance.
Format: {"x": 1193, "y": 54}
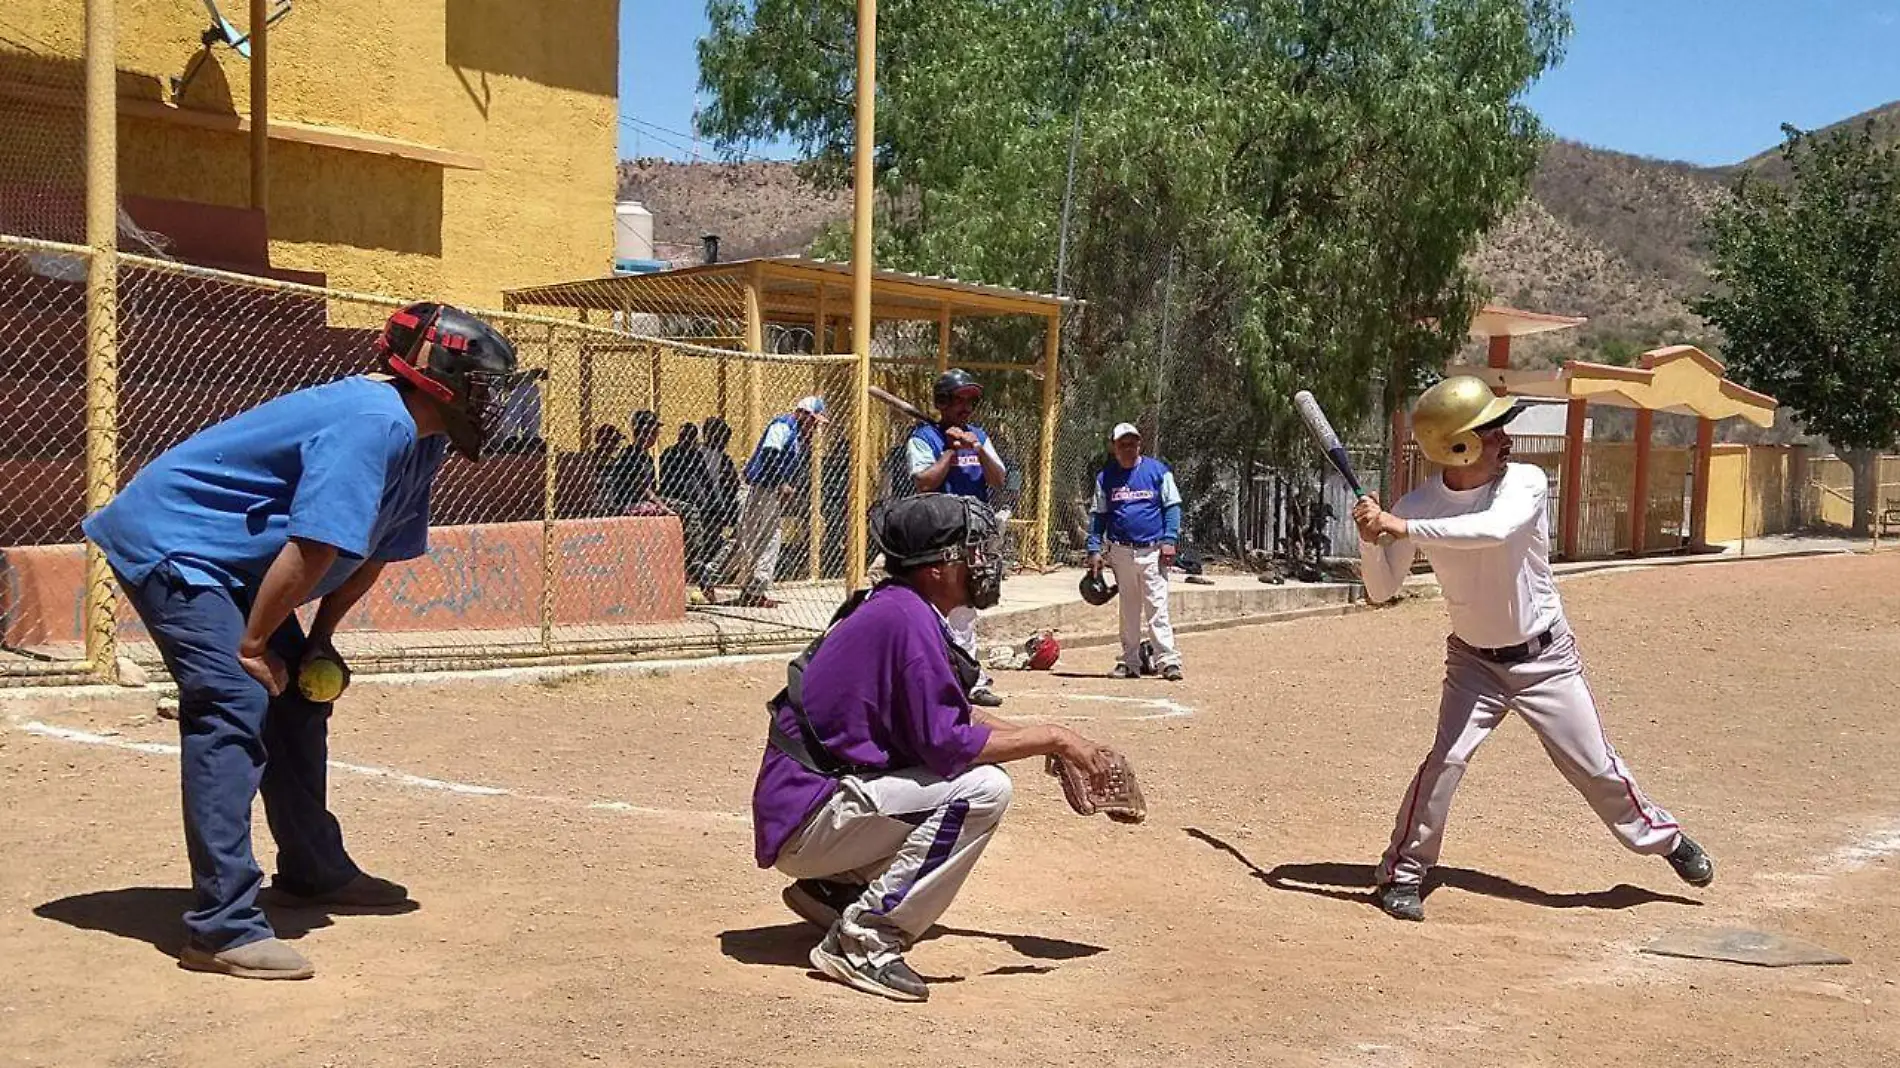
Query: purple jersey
{"x": 880, "y": 692}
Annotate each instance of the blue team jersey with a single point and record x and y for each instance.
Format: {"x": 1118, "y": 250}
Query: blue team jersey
{"x": 780, "y": 454}
{"x": 338, "y": 464}
{"x": 927, "y": 445}
{"x": 1138, "y": 504}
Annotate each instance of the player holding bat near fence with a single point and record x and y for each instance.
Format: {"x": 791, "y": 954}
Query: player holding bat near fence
{"x": 955, "y": 456}
{"x": 1483, "y": 525}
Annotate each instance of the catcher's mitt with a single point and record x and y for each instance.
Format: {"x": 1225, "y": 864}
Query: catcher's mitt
{"x": 1120, "y": 799}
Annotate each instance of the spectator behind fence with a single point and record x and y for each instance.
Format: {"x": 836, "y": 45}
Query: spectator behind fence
{"x": 722, "y": 487}
{"x": 608, "y": 442}
{"x": 686, "y": 489}
{"x": 631, "y": 483}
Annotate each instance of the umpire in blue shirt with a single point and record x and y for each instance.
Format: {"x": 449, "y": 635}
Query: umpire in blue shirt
{"x": 219, "y": 540}
{"x": 1137, "y": 510}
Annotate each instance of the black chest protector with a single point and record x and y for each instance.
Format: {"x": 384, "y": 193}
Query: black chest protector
{"x": 805, "y": 746}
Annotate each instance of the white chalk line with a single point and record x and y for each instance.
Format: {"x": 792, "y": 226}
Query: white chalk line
{"x": 401, "y": 778}
{"x": 1168, "y": 709}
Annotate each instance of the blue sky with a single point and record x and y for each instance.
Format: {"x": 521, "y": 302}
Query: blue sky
{"x": 1708, "y": 81}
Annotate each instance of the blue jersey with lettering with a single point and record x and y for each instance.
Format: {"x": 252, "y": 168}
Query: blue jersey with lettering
{"x": 1137, "y": 505}
{"x": 338, "y": 464}
{"x": 780, "y": 454}
{"x": 927, "y": 445}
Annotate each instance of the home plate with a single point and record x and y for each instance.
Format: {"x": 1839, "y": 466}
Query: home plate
{"x": 1743, "y": 947}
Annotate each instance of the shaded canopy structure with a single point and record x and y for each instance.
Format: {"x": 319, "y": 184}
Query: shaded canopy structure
{"x": 1677, "y": 379}
{"x": 789, "y": 289}
{"x": 770, "y": 305}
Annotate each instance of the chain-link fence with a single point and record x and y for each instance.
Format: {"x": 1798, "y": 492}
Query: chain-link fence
{"x": 580, "y": 531}
{"x": 655, "y": 485}
{"x": 42, "y": 137}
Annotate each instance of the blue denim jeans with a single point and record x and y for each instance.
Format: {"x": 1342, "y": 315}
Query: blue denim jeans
{"x": 238, "y": 741}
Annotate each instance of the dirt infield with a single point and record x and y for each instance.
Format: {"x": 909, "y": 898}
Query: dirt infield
{"x": 582, "y": 865}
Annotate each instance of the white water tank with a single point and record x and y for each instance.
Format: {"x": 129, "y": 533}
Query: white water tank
{"x": 633, "y": 231}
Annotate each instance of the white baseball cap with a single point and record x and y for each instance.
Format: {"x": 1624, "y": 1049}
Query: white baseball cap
{"x": 814, "y": 405}
{"x": 1122, "y": 430}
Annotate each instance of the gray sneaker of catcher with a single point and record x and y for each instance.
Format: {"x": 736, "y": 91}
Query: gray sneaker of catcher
{"x": 891, "y": 979}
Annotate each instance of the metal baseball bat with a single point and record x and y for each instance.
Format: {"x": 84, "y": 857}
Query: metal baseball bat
{"x": 1328, "y": 440}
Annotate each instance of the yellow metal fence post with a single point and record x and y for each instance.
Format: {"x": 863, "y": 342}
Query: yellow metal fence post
{"x": 102, "y": 320}
{"x": 260, "y": 107}
{"x": 754, "y": 344}
{"x": 815, "y": 522}
{"x": 855, "y": 560}
{"x": 1051, "y": 401}
{"x": 943, "y": 339}
{"x": 549, "y": 504}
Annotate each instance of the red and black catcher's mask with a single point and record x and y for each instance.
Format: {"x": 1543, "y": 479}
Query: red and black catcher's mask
{"x": 456, "y": 360}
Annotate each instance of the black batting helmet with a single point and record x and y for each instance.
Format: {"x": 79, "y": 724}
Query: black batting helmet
{"x": 1095, "y": 589}
{"x": 456, "y": 360}
{"x": 953, "y": 382}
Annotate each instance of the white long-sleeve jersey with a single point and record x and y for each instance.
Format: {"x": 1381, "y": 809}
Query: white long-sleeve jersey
{"x": 1490, "y": 548}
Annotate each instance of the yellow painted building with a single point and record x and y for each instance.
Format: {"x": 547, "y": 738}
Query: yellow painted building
{"x": 450, "y": 148}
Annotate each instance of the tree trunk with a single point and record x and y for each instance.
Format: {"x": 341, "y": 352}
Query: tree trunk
{"x": 1865, "y": 463}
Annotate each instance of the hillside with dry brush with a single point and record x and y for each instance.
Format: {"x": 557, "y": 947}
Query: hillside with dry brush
{"x": 1618, "y": 238}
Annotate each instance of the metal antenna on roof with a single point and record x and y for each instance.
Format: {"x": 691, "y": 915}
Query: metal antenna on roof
{"x": 221, "y": 32}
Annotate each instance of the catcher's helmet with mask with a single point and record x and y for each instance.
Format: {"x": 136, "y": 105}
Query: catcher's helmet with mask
{"x": 456, "y": 360}
{"x": 933, "y": 528}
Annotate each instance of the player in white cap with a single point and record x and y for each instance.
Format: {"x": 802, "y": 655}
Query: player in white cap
{"x": 779, "y": 463}
{"x": 1137, "y": 510}
{"x": 1483, "y": 524}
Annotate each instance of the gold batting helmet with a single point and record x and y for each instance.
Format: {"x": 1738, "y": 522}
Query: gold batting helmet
{"x": 1448, "y": 417}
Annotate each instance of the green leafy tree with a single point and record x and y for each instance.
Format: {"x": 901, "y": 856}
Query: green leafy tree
{"x": 1808, "y": 293}
{"x": 1317, "y": 170}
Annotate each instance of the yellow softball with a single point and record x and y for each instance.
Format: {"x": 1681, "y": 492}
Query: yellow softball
{"x": 321, "y": 680}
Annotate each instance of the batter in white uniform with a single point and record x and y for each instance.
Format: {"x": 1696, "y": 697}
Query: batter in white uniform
{"x": 1483, "y": 526}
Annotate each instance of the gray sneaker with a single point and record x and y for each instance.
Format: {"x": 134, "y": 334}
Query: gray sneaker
{"x": 986, "y": 697}
{"x": 820, "y": 902}
{"x": 1123, "y": 671}
{"x": 1692, "y": 863}
{"x": 266, "y": 958}
{"x": 1172, "y": 673}
{"x": 892, "y": 979}
{"x": 1400, "y": 901}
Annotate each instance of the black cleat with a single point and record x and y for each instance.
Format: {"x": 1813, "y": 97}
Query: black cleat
{"x": 820, "y": 902}
{"x": 1400, "y": 901}
{"x": 1692, "y": 864}
{"x": 986, "y": 697}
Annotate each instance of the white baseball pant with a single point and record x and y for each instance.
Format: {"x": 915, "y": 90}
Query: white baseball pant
{"x": 912, "y": 837}
{"x": 1144, "y": 597}
{"x": 962, "y": 623}
{"x": 1549, "y": 691}
{"x": 756, "y": 539}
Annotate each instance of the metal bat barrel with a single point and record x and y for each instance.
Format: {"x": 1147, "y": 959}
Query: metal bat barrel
{"x": 1322, "y": 429}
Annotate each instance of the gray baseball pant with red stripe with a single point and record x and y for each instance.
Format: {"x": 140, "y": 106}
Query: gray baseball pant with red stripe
{"x": 913, "y": 837}
{"x": 1549, "y": 691}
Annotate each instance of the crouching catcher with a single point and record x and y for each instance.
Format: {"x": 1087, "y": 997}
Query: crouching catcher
{"x": 880, "y": 785}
